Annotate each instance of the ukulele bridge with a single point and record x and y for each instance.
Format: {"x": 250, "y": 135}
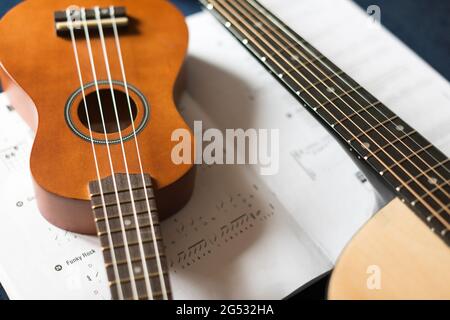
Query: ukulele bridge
{"x": 62, "y": 23}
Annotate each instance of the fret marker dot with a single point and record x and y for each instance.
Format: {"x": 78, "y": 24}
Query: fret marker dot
{"x": 263, "y": 59}
{"x": 330, "y": 89}
{"x": 432, "y": 180}
{"x": 298, "y": 93}
{"x": 137, "y": 270}
{"x": 228, "y": 24}
{"x": 429, "y": 218}
{"x": 400, "y": 127}
{"x": 366, "y": 145}
{"x": 280, "y": 75}
{"x": 398, "y": 189}
{"x": 127, "y": 222}
{"x": 245, "y": 41}
{"x": 210, "y": 6}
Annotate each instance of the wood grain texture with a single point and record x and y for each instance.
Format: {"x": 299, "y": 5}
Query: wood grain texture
{"x": 39, "y": 73}
{"x": 414, "y": 263}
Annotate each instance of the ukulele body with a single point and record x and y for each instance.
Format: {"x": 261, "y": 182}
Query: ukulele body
{"x": 394, "y": 256}
{"x": 39, "y": 74}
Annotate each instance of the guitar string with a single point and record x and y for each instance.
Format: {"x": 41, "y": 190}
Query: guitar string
{"x": 124, "y": 156}
{"x": 226, "y": 15}
{"x": 414, "y": 153}
{"x": 427, "y": 191}
{"x": 122, "y": 67}
{"x": 124, "y": 235}
{"x": 80, "y": 77}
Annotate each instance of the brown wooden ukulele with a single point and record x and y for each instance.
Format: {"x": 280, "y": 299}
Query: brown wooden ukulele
{"x": 96, "y": 83}
{"x": 406, "y": 244}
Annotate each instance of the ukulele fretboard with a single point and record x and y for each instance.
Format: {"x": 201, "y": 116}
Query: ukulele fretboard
{"x": 414, "y": 169}
{"x": 130, "y": 235}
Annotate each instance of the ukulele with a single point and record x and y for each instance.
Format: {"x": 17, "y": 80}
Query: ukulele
{"x": 407, "y": 243}
{"x": 96, "y": 83}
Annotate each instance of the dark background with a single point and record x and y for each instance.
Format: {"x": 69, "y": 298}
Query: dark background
{"x": 424, "y": 25}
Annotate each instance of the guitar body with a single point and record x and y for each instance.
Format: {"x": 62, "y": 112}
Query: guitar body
{"x": 39, "y": 74}
{"x": 394, "y": 256}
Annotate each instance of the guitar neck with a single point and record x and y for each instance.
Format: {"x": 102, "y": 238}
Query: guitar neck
{"x": 409, "y": 164}
{"x": 130, "y": 235}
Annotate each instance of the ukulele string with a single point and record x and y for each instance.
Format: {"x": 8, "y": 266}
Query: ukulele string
{"x": 122, "y": 68}
{"x": 387, "y": 119}
{"x": 231, "y": 9}
{"x": 431, "y": 209}
{"x": 80, "y": 78}
{"x": 124, "y": 156}
{"x": 116, "y": 192}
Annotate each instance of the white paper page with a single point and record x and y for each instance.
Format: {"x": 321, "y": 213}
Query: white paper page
{"x": 317, "y": 182}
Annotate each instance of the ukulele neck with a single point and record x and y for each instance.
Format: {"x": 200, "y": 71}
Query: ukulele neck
{"x": 409, "y": 164}
{"x": 128, "y": 227}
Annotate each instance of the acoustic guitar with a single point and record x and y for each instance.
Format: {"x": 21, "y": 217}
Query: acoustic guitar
{"x": 403, "y": 252}
{"x": 96, "y": 83}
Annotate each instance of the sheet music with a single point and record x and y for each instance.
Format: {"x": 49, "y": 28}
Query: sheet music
{"x": 242, "y": 235}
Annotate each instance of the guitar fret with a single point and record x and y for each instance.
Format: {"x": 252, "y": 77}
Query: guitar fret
{"x": 315, "y": 84}
{"x": 398, "y": 140}
{"x": 356, "y": 113}
{"x": 340, "y": 96}
{"x": 443, "y": 209}
{"x": 375, "y": 127}
{"x": 436, "y": 188}
{"x": 282, "y": 50}
{"x": 303, "y": 64}
{"x": 423, "y": 173}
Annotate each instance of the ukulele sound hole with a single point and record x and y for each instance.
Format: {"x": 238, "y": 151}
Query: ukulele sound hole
{"x": 107, "y": 107}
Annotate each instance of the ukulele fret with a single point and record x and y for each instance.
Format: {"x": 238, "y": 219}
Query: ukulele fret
{"x": 120, "y": 191}
{"x": 123, "y": 245}
{"x": 122, "y": 262}
{"x": 122, "y": 281}
{"x": 126, "y": 215}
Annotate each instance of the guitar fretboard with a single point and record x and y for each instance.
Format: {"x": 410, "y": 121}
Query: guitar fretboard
{"x": 130, "y": 237}
{"x": 413, "y": 168}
